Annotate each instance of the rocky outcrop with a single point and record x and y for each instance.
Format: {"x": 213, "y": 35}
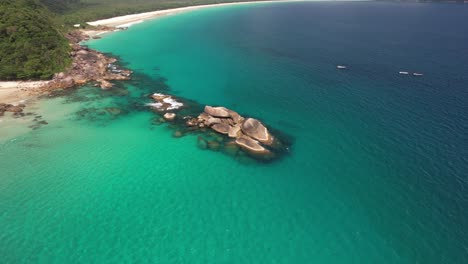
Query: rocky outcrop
{"x": 87, "y": 65}
{"x": 249, "y": 134}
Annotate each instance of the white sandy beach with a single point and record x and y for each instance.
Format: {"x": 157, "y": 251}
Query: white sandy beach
{"x": 129, "y": 20}
{"x": 17, "y": 91}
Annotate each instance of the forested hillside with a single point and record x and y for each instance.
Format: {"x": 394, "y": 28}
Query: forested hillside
{"x": 61, "y": 6}
{"x": 31, "y": 47}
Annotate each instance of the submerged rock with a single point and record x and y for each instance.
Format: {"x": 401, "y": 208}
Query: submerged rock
{"x": 214, "y": 145}
{"x": 202, "y": 143}
{"x": 231, "y": 148}
{"x": 177, "y": 134}
{"x": 113, "y": 110}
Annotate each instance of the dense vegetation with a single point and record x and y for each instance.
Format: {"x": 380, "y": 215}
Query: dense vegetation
{"x": 30, "y": 45}
{"x": 60, "y": 6}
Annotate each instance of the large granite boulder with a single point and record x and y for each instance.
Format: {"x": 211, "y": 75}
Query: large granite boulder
{"x": 255, "y": 129}
{"x": 236, "y": 118}
{"x": 234, "y": 131}
{"x": 212, "y": 121}
{"x": 217, "y": 111}
{"x": 251, "y": 145}
{"x": 221, "y": 128}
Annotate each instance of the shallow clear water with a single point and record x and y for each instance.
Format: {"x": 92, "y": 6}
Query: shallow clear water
{"x": 376, "y": 174}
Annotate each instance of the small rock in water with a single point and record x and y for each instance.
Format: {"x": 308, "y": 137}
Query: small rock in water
{"x": 105, "y": 85}
{"x": 169, "y": 116}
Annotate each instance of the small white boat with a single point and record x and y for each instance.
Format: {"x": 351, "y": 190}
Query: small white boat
{"x": 417, "y": 74}
{"x": 341, "y": 67}
{"x": 403, "y": 72}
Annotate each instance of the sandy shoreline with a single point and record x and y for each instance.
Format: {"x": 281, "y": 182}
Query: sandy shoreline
{"x": 129, "y": 20}
{"x": 15, "y": 92}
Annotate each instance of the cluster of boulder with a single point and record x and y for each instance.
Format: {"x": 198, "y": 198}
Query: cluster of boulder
{"x": 248, "y": 133}
{"x": 11, "y": 108}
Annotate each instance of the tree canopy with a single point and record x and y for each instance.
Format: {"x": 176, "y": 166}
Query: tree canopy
{"x": 31, "y": 47}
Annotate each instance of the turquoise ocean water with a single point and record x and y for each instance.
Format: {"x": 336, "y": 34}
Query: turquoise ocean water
{"x": 377, "y": 171}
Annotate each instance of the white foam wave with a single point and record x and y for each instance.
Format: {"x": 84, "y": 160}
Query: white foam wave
{"x": 127, "y": 25}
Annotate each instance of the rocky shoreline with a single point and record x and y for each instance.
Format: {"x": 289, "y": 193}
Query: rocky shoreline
{"x": 88, "y": 65}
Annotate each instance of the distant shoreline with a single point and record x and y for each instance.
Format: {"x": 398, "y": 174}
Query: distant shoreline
{"x": 129, "y": 20}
